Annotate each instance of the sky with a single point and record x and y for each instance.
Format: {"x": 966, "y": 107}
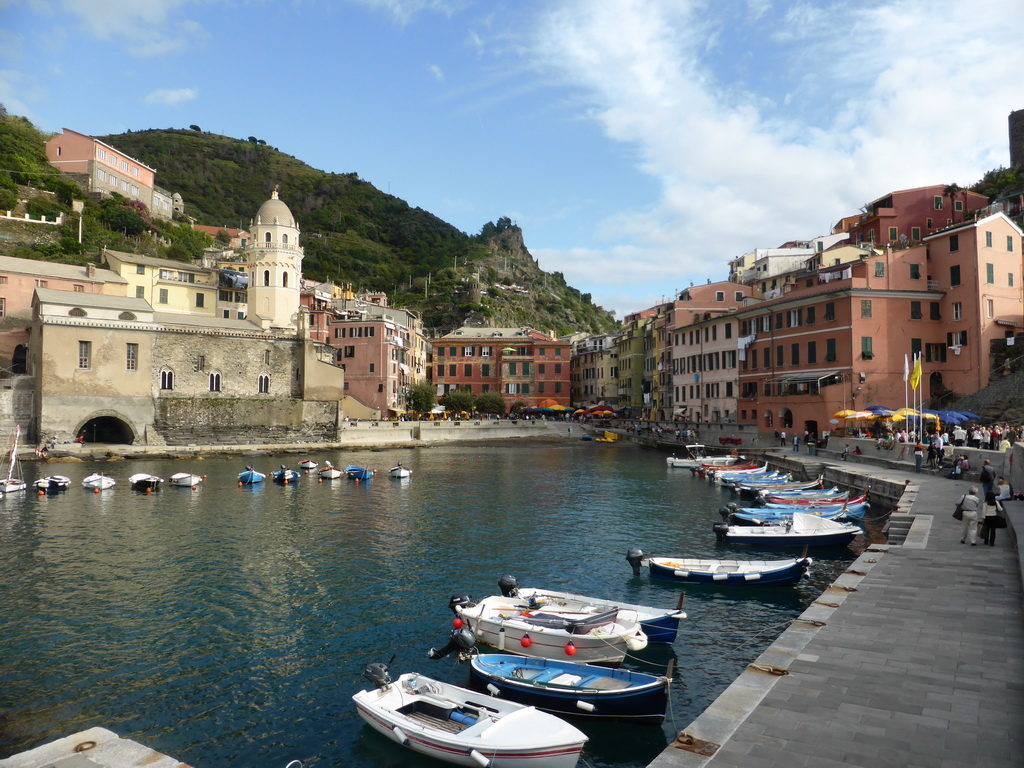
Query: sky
{"x": 639, "y": 144}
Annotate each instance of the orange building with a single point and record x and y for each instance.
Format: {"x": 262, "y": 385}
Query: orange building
{"x": 520, "y": 363}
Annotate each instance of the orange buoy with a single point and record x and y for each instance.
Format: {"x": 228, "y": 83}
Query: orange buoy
{"x": 570, "y": 648}
{"x": 525, "y": 641}
{"x": 95, "y": 490}
{"x": 457, "y": 622}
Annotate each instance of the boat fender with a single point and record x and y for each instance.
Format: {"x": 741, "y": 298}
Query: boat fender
{"x": 720, "y": 577}
{"x": 483, "y": 761}
{"x": 465, "y": 718}
{"x": 508, "y": 585}
{"x": 501, "y": 638}
{"x": 586, "y": 706}
{"x": 525, "y": 640}
{"x": 721, "y": 531}
{"x": 681, "y": 574}
{"x": 570, "y": 648}
{"x": 400, "y": 735}
{"x": 493, "y": 689}
{"x": 752, "y": 577}
{"x": 637, "y": 642}
{"x": 635, "y": 557}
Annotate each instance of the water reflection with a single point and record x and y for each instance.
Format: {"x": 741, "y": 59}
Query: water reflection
{"x": 230, "y": 625}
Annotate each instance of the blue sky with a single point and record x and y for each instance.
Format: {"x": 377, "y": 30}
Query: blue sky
{"x": 640, "y": 144}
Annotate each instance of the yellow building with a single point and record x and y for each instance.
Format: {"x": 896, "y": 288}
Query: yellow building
{"x": 174, "y": 287}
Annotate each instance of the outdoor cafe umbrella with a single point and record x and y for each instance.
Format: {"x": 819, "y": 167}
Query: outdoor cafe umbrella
{"x": 842, "y": 414}
{"x": 859, "y": 415}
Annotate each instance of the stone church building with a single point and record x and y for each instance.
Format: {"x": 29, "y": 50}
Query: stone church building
{"x": 113, "y": 369}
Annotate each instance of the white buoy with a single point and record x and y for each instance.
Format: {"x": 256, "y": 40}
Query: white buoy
{"x": 586, "y": 706}
{"x": 402, "y": 738}
{"x": 484, "y": 762}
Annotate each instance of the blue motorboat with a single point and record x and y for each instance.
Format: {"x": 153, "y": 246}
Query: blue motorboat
{"x": 803, "y": 530}
{"x": 583, "y": 690}
{"x": 690, "y": 570}
{"x": 284, "y": 475}
{"x": 358, "y": 473}
{"x": 250, "y": 476}
{"x": 52, "y": 484}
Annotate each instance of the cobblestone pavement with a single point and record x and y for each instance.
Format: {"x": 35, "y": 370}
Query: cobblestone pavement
{"x": 914, "y": 658}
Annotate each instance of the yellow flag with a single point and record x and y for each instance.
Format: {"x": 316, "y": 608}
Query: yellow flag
{"x": 915, "y": 377}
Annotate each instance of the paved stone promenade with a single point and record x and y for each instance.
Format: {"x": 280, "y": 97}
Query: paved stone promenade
{"x": 914, "y": 658}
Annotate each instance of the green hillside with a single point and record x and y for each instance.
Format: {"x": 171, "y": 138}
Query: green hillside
{"x": 354, "y": 233}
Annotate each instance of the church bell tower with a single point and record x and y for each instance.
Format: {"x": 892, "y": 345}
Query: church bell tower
{"x": 274, "y": 263}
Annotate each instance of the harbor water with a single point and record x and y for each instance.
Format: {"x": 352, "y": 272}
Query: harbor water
{"x": 229, "y": 626}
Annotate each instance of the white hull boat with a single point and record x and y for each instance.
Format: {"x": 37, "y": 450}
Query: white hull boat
{"x": 588, "y": 636}
{"x": 13, "y": 484}
{"x": 465, "y": 728}
{"x": 185, "y": 480}
{"x": 98, "y": 482}
{"x": 400, "y": 472}
{"x": 329, "y": 472}
{"x": 145, "y": 482}
{"x": 308, "y": 465}
{"x": 697, "y": 457}
{"x": 52, "y": 483}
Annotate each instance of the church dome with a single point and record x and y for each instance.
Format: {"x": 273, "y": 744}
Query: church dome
{"x": 274, "y": 211}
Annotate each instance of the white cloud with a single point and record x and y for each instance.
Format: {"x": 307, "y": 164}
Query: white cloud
{"x": 147, "y": 27}
{"x": 437, "y": 72}
{"x": 170, "y": 97}
{"x": 846, "y": 103}
{"x": 405, "y": 10}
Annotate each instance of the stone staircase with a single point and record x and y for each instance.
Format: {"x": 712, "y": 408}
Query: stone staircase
{"x": 897, "y": 528}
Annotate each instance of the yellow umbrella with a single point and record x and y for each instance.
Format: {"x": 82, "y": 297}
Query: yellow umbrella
{"x": 902, "y": 413}
{"x": 858, "y": 415}
{"x": 842, "y": 414}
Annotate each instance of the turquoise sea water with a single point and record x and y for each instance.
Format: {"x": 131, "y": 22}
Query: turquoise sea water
{"x": 230, "y": 626}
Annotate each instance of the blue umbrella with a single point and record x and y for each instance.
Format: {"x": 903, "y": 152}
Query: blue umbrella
{"x": 969, "y": 415}
{"x": 874, "y": 408}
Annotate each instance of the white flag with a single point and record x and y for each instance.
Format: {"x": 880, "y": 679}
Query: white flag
{"x": 906, "y": 368}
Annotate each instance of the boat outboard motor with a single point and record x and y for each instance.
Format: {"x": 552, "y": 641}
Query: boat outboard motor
{"x": 508, "y": 585}
{"x": 461, "y": 640}
{"x": 377, "y": 673}
{"x": 728, "y": 510}
{"x": 634, "y": 557}
{"x": 721, "y": 531}
{"x": 458, "y": 602}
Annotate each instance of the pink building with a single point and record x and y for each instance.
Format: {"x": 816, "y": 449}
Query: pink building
{"x": 19, "y": 279}
{"x": 908, "y": 216}
{"x": 101, "y": 170}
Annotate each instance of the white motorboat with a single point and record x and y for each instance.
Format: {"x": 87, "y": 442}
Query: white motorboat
{"x": 52, "y": 483}
{"x": 697, "y": 456}
{"x": 802, "y": 530}
{"x": 329, "y": 472}
{"x": 98, "y": 482}
{"x": 144, "y": 482}
{"x": 13, "y": 482}
{"x": 463, "y": 727}
{"x": 308, "y": 465}
{"x": 661, "y": 625}
{"x": 399, "y": 471}
{"x": 589, "y": 635}
{"x": 185, "y": 479}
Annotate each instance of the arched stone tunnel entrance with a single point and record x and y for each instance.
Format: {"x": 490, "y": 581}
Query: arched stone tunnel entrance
{"x": 106, "y": 429}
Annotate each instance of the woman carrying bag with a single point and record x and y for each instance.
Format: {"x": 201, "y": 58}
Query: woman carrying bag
{"x": 993, "y": 517}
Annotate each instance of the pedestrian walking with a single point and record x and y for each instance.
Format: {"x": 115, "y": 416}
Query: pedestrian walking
{"x": 796, "y": 443}
{"x": 989, "y": 520}
{"x": 918, "y": 457}
{"x": 988, "y": 477}
{"x": 970, "y": 505}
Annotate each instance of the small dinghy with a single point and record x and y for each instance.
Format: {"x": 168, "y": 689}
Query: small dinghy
{"x": 308, "y": 465}
{"x": 661, "y": 625}
{"x": 689, "y": 570}
{"x": 329, "y": 472}
{"x": 463, "y": 727}
{"x": 144, "y": 482}
{"x": 399, "y": 471}
{"x": 803, "y": 530}
{"x": 284, "y": 476}
{"x": 581, "y": 690}
{"x": 52, "y": 484}
{"x": 358, "y": 473}
{"x": 250, "y": 476}
{"x": 185, "y": 479}
{"x": 98, "y": 482}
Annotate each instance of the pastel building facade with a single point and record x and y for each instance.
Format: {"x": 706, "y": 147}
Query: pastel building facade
{"x": 167, "y": 285}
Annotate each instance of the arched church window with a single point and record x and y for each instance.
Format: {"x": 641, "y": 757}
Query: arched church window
{"x": 167, "y": 379}
{"x": 266, "y": 277}
{"x": 266, "y": 238}
{"x": 76, "y": 312}
{"x": 127, "y": 316}
{"x": 284, "y": 239}
{"x": 284, "y": 279}
{"x": 263, "y": 384}
{"x": 215, "y": 382}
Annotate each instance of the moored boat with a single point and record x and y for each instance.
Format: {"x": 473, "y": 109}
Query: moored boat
{"x": 587, "y": 636}
{"x": 464, "y": 727}
{"x": 13, "y": 482}
{"x": 399, "y": 471}
{"x": 145, "y": 482}
{"x": 284, "y": 475}
{"x": 661, "y": 625}
{"x": 185, "y": 479}
{"x": 689, "y": 570}
{"x": 250, "y": 476}
{"x": 802, "y": 530}
{"x": 329, "y": 472}
{"x": 98, "y": 482}
{"x": 358, "y": 473}
{"x": 308, "y": 465}
{"x": 581, "y": 690}
{"x": 52, "y": 484}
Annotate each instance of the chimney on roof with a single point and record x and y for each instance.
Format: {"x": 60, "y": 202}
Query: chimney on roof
{"x": 90, "y": 270}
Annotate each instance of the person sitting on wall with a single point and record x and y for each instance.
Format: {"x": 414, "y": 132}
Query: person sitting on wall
{"x": 857, "y": 451}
